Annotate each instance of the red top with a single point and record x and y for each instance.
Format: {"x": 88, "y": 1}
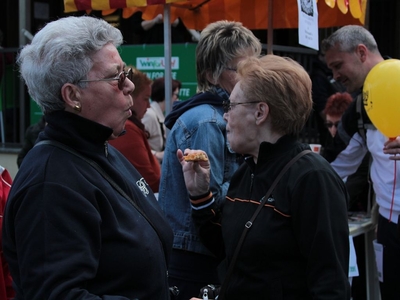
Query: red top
{"x": 6, "y": 290}
{"x": 135, "y": 147}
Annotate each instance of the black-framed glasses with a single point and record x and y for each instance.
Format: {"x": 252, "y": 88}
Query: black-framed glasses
{"x": 227, "y": 105}
{"x": 120, "y": 77}
{"x": 330, "y": 124}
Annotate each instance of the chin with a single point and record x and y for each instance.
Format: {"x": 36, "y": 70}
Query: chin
{"x": 115, "y": 135}
{"x": 234, "y": 147}
{"x": 112, "y": 137}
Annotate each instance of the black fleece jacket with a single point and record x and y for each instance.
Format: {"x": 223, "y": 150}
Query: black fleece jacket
{"x": 68, "y": 234}
{"x": 298, "y": 247}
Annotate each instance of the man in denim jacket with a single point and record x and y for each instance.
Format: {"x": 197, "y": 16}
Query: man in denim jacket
{"x": 198, "y": 124}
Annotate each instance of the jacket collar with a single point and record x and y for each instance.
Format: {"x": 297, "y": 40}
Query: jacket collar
{"x": 76, "y": 132}
{"x": 269, "y": 152}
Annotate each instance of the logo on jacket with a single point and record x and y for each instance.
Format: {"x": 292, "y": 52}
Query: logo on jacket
{"x": 271, "y": 201}
{"x": 142, "y": 185}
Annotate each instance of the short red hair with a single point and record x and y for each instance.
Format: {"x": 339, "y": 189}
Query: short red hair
{"x": 337, "y": 104}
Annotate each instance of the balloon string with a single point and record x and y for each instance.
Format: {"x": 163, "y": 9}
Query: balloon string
{"x": 394, "y": 188}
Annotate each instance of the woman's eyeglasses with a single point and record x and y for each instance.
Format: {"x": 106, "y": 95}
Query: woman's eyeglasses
{"x": 330, "y": 124}
{"x": 227, "y": 105}
{"x": 120, "y": 77}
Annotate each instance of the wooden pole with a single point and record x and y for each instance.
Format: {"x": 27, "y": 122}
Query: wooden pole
{"x": 270, "y": 30}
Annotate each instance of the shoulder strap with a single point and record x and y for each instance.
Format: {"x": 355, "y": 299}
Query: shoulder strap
{"x": 103, "y": 174}
{"x": 249, "y": 223}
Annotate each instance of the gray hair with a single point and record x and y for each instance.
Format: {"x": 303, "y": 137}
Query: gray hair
{"x": 348, "y": 38}
{"x": 221, "y": 42}
{"x": 61, "y": 53}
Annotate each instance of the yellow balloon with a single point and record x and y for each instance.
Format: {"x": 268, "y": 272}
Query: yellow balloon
{"x": 381, "y": 94}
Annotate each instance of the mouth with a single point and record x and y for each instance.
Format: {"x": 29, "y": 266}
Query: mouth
{"x": 130, "y": 102}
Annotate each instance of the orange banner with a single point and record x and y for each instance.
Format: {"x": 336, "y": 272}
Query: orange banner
{"x": 196, "y": 14}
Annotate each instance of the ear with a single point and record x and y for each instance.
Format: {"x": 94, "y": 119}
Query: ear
{"x": 71, "y": 96}
{"x": 261, "y": 113}
{"x": 362, "y": 52}
{"x": 210, "y": 78}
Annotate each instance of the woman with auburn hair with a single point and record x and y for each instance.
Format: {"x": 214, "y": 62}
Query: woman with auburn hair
{"x": 335, "y": 106}
{"x": 133, "y": 144}
{"x": 299, "y": 229}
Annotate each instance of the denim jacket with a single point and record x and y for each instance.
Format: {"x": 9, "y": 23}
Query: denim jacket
{"x": 200, "y": 127}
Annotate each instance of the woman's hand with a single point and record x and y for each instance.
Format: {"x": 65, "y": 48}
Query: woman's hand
{"x": 393, "y": 147}
{"x": 195, "y": 173}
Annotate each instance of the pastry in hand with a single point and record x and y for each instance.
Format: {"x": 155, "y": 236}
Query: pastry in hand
{"x": 196, "y": 156}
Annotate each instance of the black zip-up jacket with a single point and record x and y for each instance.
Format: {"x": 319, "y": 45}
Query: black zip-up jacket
{"x": 68, "y": 234}
{"x": 298, "y": 247}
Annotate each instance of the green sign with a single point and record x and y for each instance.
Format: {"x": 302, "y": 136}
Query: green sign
{"x": 150, "y": 60}
{"x": 8, "y": 85}
{"x": 36, "y": 112}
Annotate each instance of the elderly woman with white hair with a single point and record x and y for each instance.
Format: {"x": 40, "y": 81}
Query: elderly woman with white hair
{"x": 284, "y": 239}
{"x": 80, "y": 221}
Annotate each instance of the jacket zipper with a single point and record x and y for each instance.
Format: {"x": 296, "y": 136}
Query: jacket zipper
{"x": 251, "y": 182}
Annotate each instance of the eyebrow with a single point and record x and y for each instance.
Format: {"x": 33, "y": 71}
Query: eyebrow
{"x": 335, "y": 62}
{"x": 116, "y": 68}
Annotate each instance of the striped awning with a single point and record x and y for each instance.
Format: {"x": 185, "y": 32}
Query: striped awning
{"x": 79, "y": 5}
{"x": 196, "y": 14}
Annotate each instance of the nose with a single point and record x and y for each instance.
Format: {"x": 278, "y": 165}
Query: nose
{"x": 333, "y": 131}
{"x": 129, "y": 86}
{"x": 225, "y": 117}
{"x": 336, "y": 75}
